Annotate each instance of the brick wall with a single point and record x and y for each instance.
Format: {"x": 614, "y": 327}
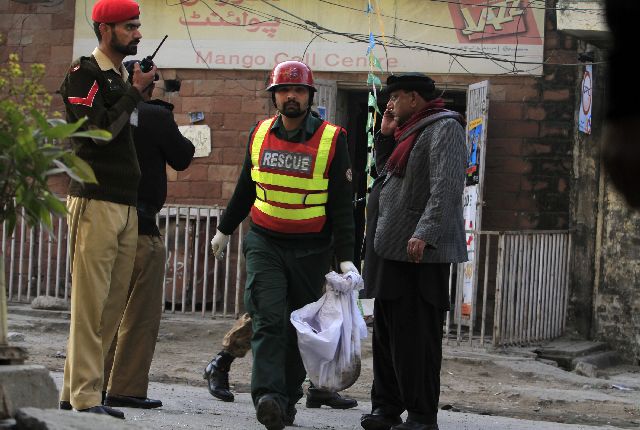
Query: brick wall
{"x": 39, "y": 34}
{"x": 528, "y": 160}
{"x": 232, "y": 102}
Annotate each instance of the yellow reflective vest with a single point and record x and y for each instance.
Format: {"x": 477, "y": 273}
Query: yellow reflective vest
{"x": 291, "y": 178}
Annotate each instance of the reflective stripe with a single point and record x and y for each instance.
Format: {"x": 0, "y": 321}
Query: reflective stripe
{"x": 258, "y": 137}
{"x": 291, "y": 198}
{"x": 316, "y": 183}
{"x": 269, "y": 178}
{"x": 292, "y": 214}
{"x": 322, "y": 158}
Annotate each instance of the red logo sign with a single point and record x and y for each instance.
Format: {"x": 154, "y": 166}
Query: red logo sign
{"x": 495, "y": 22}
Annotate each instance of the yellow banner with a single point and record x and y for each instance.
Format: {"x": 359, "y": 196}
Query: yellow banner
{"x": 474, "y": 36}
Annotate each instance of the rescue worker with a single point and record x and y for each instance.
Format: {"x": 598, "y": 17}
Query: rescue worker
{"x": 103, "y": 224}
{"x": 235, "y": 344}
{"x": 158, "y": 142}
{"x": 296, "y": 183}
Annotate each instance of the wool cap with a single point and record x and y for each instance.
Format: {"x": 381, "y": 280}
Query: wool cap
{"x": 112, "y": 11}
{"x": 409, "y": 82}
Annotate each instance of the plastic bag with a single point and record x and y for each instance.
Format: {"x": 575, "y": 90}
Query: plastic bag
{"x": 329, "y": 333}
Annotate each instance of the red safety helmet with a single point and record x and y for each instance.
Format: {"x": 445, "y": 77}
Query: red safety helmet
{"x": 291, "y": 73}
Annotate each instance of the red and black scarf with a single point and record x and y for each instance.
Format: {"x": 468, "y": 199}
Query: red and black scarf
{"x": 397, "y": 162}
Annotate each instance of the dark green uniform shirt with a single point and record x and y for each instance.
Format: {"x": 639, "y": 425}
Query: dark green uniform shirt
{"x": 95, "y": 89}
{"x": 339, "y": 227}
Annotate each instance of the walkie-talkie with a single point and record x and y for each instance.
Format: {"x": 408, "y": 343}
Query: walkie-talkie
{"x": 147, "y": 62}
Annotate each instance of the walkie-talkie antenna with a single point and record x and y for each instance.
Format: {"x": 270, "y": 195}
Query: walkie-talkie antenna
{"x": 147, "y": 62}
{"x": 156, "y": 51}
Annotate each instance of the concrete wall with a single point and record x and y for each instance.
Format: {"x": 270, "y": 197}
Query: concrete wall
{"x": 617, "y": 296}
{"x": 585, "y": 201}
{"x": 604, "y": 303}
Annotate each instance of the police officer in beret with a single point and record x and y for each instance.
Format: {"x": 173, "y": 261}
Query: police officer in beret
{"x": 414, "y": 232}
{"x": 103, "y": 224}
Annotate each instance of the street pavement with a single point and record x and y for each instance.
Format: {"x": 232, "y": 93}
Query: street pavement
{"x": 190, "y": 407}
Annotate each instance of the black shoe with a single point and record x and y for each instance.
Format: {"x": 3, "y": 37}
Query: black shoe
{"x": 317, "y": 397}
{"x": 269, "y": 413}
{"x": 290, "y": 415}
{"x": 65, "y": 405}
{"x": 414, "y": 425}
{"x": 104, "y": 410}
{"x": 217, "y": 376}
{"x": 378, "y": 420}
{"x": 131, "y": 402}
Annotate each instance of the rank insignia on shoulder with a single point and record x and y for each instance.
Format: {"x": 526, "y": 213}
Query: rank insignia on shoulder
{"x": 349, "y": 175}
{"x": 74, "y": 68}
{"x": 88, "y": 100}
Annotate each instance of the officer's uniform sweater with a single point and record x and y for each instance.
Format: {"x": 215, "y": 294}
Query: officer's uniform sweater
{"x": 339, "y": 225}
{"x": 94, "y": 88}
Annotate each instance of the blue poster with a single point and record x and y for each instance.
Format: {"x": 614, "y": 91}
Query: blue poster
{"x": 473, "y": 163}
{"x": 322, "y": 110}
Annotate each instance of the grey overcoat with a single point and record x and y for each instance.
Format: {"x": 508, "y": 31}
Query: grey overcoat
{"x": 426, "y": 203}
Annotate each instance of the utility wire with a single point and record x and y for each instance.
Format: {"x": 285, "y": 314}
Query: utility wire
{"x": 320, "y": 31}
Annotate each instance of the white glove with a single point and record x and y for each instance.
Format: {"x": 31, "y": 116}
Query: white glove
{"x": 219, "y": 244}
{"x": 348, "y": 266}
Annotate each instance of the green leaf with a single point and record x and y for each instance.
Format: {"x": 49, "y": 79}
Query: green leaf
{"x": 77, "y": 168}
{"x": 62, "y": 131}
{"x": 11, "y": 221}
{"x": 5, "y": 139}
{"x": 373, "y": 79}
{"x": 373, "y": 102}
{"x": 58, "y": 121}
{"x": 55, "y": 204}
{"x": 93, "y": 134}
{"x": 44, "y": 216}
{"x": 41, "y": 122}
{"x": 376, "y": 63}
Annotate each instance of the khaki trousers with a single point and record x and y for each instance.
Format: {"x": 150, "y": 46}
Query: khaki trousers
{"x": 129, "y": 359}
{"x": 237, "y": 341}
{"x": 102, "y": 246}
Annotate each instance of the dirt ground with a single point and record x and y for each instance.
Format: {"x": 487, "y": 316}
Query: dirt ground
{"x": 509, "y": 383}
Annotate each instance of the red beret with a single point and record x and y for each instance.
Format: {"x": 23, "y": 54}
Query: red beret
{"x": 112, "y": 11}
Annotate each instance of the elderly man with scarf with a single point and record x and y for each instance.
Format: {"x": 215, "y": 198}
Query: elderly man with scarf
{"x": 415, "y": 231}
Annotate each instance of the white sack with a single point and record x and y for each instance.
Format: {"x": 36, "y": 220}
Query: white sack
{"x": 329, "y": 333}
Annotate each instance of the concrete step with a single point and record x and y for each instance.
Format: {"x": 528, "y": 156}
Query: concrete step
{"x": 54, "y": 419}
{"x": 564, "y": 351}
{"x": 25, "y": 385}
{"x": 25, "y": 309}
{"x": 601, "y": 360}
